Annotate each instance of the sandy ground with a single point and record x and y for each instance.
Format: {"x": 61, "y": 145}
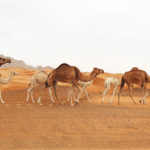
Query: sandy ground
{"x": 86, "y": 126}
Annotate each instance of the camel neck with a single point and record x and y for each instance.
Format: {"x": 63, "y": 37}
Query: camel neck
{"x": 6, "y": 80}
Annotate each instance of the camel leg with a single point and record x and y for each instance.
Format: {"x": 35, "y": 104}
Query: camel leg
{"x": 32, "y": 96}
{"x": 144, "y": 93}
{"x": 54, "y": 88}
{"x": 79, "y": 95}
{"x": 28, "y": 92}
{"x": 86, "y": 93}
{"x": 130, "y": 93}
{"x": 50, "y": 94}
{"x": 115, "y": 88}
{"x": 69, "y": 95}
{"x": 2, "y": 101}
{"x": 105, "y": 91}
{"x": 71, "y": 103}
{"x": 80, "y": 91}
{"x": 119, "y": 94}
{"x": 39, "y": 100}
{"x": 40, "y": 97}
{"x": 70, "y": 92}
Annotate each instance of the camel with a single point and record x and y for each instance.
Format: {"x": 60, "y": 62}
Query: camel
{"x": 70, "y": 74}
{"x": 83, "y": 86}
{"x": 39, "y": 78}
{"x": 138, "y": 77}
{"x": 115, "y": 82}
{"x": 4, "y": 61}
{"x": 6, "y": 81}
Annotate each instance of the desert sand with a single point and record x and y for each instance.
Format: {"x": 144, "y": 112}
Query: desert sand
{"x": 92, "y": 126}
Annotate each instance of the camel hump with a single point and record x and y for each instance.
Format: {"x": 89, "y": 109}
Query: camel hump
{"x": 42, "y": 72}
{"x": 135, "y": 69}
{"x": 63, "y": 65}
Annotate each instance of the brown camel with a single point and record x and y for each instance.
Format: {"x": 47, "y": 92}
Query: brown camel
{"x": 69, "y": 74}
{"x": 4, "y": 61}
{"x": 135, "y": 76}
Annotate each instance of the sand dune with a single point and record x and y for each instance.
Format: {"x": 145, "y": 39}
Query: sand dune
{"x": 22, "y": 80}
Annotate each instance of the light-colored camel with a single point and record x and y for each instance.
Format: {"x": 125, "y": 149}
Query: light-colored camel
{"x": 138, "y": 77}
{"x": 6, "y": 81}
{"x": 83, "y": 86}
{"x": 4, "y": 61}
{"x": 70, "y": 74}
{"x": 111, "y": 81}
{"x": 39, "y": 78}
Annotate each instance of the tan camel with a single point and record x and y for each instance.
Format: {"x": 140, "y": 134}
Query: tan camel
{"x": 6, "y": 81}
{"x": 39, "y": 78}
{"x": 4, "y": 61}
{"x": 70, "y": 74}
{"x": 135, "y": 76}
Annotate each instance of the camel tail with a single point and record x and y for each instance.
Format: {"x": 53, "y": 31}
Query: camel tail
{"x": 147, "y": 78}
{"x": 122, "y": 83}
{"x": 46, "y": 84}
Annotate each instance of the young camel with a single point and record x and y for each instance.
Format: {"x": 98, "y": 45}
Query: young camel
{"x": 39, "y": 78}
{"x": 83, "y": 86}
{"x": 115, "y": 82}
{"x": 69, "y": 74}
{"x": 135, "y": 76}
{"x": 4, "y": 61}
{"x": 6, "y": 81}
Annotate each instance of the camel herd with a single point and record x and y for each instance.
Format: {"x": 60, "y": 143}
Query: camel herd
{"x": 71, "y": 74}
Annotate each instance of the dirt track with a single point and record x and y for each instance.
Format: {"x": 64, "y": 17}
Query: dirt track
{"x": 84, "y": 126}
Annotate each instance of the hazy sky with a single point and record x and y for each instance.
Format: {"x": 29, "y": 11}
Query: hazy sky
{"x": 109, "y": 34}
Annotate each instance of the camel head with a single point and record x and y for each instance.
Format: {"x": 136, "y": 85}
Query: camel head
{"x": 97, "y": 70}
{"x": 4, "y": 61}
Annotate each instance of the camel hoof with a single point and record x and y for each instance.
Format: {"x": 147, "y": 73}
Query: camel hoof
{"x": 76, "y": 102}
{"x": 72, "y": 104}
{"x": 140, "y": 101}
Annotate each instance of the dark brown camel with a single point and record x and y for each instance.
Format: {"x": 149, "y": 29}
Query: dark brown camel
{"x": 4, "y": 61}
{"x": 69, "y": 74}
{"x": 135, "y": 76}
